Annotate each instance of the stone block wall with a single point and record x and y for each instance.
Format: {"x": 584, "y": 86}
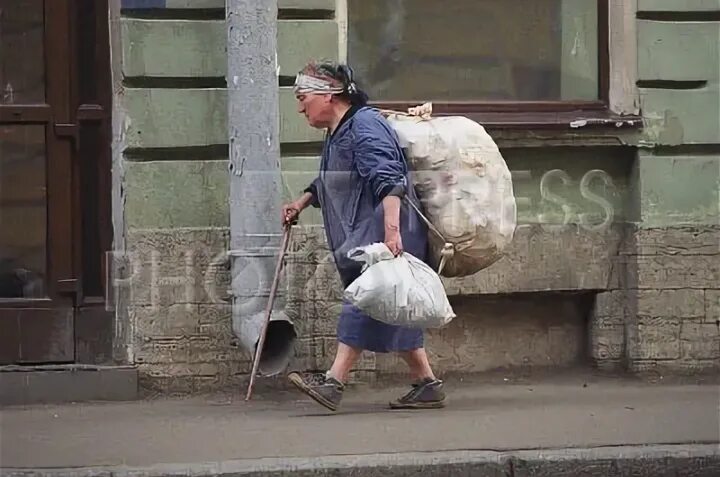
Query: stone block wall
{"x": 673, "y": 324}
{"x": 492, "y": 330}
{"x": 174, "y": 294}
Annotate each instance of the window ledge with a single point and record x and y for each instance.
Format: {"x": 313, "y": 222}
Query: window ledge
{"x": 555, "y": 115}
{"x": 562, "y": 120}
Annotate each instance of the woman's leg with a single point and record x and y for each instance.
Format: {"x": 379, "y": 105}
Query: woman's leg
{"x": 327, "y": 388}
{"x": 427, "y": 391}
{"x": 418, "y": 363}
{"x": 345, "y": 359}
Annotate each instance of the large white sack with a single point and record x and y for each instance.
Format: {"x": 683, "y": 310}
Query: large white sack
{"x": 464, "y": 185}
{"x": 400, "y": 290}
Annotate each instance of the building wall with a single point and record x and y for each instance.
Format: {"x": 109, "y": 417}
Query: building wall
{"x": 587, "y": 282}
{"x": 673, "y": 321}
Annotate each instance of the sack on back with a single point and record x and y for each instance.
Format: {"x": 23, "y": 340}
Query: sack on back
{"x": 465, "y": 188}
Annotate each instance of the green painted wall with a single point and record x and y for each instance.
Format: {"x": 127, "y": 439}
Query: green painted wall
{"x": 177, "y": 117}
{"x": 678, "y": 170}
{"x": 175, "y": 194}
{"x": 678, "y": 190}
{"x": 685, "y": 55}
{"x": 196, "y": 48}
{"x": 172, "y": 117}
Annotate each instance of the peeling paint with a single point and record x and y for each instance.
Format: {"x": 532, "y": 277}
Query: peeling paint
{"x": 127, "y": 124}
{"x": 665, "y": 128}
{"x": 673, "y": 132}
{"x": 576, "y": 45}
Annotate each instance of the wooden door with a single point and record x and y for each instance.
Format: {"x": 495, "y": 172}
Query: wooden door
{"x": 43, "y": 125}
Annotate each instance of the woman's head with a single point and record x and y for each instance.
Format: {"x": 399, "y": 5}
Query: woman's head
{"x": 324, "y": 90}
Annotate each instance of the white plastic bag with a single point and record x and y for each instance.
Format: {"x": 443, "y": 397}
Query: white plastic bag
{"x": 464, "y": 185}
{"x": 399, "y": 290}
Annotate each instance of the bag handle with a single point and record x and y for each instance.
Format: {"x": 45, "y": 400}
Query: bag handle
{"x": 424, "y": 112}
{"x": 370, "y": 254}
{"x": 448, "y": 250}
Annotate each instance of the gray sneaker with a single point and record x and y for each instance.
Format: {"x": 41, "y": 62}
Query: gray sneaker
{"x": 425, "y": 394}
{"x": 323, "y": 389}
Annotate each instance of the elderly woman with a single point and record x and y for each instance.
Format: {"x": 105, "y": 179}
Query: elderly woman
{"x": 360, "y": 189}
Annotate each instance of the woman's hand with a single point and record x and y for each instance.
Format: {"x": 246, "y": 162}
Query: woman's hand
{"x": 290, "y": 213}
{"x": 393, "y": 241}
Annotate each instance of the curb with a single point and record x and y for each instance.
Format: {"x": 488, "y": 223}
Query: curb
{"x": 698, "y": 460}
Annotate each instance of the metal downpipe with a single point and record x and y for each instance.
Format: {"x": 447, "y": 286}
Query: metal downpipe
{"x": 252, "y": 277}
{"x": 255, "y": 179}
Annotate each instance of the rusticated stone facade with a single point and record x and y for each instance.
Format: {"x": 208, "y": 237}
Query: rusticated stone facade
{"x": 178, "y": 328}
{"x": 672, "y": 299}
{"x": 665, "y": 317}
{"x": 644, "y": 300}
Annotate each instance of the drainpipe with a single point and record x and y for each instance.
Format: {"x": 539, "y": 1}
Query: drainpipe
{"x": 255, "y": 180}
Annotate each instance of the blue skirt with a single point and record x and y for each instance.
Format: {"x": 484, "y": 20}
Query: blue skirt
{"x": 358, "y": 330}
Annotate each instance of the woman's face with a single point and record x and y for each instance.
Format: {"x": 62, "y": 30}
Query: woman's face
{"x": 317, "y": 109}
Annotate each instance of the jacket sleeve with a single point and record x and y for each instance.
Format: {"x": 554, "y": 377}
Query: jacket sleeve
{"x": 377, "y": 161}
{"x": 313, "y": 189}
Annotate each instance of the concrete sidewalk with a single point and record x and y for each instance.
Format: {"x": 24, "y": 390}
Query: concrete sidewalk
{"x": 485, "y": 423}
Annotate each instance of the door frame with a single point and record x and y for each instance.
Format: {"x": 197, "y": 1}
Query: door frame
{"x": 94, "y": 319}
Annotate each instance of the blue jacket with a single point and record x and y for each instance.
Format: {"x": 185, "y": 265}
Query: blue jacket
{"x": 362, "y": 162}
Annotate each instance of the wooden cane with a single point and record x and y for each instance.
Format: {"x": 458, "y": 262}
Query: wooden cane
{"x": 268, "y": 310}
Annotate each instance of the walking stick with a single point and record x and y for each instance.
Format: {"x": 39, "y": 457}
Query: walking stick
{"x": 268, "y": 310}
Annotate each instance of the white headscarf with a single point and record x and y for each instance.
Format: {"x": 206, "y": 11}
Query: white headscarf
{"x": 306, "y": 84}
